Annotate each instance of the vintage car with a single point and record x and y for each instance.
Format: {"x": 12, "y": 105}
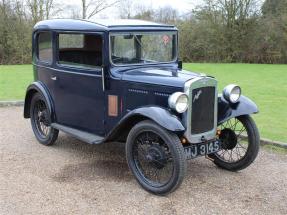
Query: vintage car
{"x": 122, "y": 81}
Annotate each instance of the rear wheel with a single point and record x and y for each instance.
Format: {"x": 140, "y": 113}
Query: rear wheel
{"x": 240, "y": 144}
{"x": 156, "y": 157}
{"x": 41, "y": 121}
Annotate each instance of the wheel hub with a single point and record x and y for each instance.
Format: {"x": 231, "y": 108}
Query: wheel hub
{"x": 228, "y": 138}
{"x": 156, "y": 156}
{"x": 43, "y": 117}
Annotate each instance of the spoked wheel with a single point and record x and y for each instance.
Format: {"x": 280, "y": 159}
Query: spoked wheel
{"x": 41, "y": 121}
{"x": 153, "y": 159}
{"x": 240, "y": 143}
{"x": 156, "y": 157}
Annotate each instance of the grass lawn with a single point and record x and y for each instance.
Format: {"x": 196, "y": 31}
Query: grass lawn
{"x": 265, "y": 84}
{"x": 14, "y": 80}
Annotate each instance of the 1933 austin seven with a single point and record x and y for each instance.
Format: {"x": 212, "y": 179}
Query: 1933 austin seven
{"x": 122, "y": 81}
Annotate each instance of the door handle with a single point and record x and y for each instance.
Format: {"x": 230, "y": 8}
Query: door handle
{"x": 103, "y": 79}
{"x": 54, "y": 78}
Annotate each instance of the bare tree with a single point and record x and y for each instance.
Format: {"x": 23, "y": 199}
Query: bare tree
{"x": 145, "y": 12}
{"x": 91, "y": 7}
{"x": 40, "y": 9}
{"x": 126, "y": 8}
{"x": 236, "y": 11}
{"x": 48, "y": 8}
{"x": 167, "y": 14}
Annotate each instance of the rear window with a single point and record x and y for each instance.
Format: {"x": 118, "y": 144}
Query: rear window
{"x": 80, "y": 50}
{"x": 45, "y": 51}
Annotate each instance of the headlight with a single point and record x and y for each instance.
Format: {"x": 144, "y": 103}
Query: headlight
{"x": 232, "y": 93}
{"x": 178, "y": 101}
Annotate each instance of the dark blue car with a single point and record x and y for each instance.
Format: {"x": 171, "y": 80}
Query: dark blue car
{"x": 122, "y": 81}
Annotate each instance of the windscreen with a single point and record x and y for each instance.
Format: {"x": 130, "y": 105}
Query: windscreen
{"x": 143, "y": 48}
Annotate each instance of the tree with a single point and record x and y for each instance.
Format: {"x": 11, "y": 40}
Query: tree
{"x": 144, "y": 12}
{"x": 15, "y": 34}
{"x": 216, "y": 31}
{"x": 91, "y": 7}
{"x": 167, "y": 15}
{"x": 40, "y": 9}
{"x": 274, "y": 31}
{"x": 228, "y": 28}
{"x": 274, "y": 7}
{"x": 126, "y": 9}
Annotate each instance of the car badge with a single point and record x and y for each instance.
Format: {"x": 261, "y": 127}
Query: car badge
{"x": 197, "y": 95}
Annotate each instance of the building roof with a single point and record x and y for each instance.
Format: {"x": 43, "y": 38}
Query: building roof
{"x": 100, "y": 24}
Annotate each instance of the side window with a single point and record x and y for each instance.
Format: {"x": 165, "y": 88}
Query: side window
{"x": 45, "y": 51}
{"x": 80, "y": 50}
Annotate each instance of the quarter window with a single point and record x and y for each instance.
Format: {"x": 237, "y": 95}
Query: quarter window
{"x": 45, "y": 51}
{"x": 80, "y": 50}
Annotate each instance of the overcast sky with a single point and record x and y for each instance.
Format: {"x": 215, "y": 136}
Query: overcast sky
{"x": 182, "y": 6}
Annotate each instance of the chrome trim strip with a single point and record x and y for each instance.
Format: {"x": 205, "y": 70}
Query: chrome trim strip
{"x": 71, "y": 72}
{"x": 103, "y": 79}
{"x": 195, "y": 83}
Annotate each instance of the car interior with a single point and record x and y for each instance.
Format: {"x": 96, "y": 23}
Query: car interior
{"x": 90, "y": 54}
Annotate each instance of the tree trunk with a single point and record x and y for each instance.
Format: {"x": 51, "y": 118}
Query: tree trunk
{"x": 84, "y": 7}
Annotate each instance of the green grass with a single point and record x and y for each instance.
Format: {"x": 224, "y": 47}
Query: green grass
{"x": 14, "y": 80}
{"x": 264, "y": 84}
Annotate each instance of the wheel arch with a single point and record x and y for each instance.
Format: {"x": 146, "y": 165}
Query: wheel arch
{"x": 158, "y": 115}
{"x": 226, "y": 111}
{"x": 37, "y": 87}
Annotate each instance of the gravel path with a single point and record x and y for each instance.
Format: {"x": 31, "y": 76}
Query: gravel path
{"x": 72, "y": 177}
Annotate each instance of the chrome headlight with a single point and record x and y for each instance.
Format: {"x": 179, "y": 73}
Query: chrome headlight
{"x": 232, "y": 93}
{"x": 178, "y": 101}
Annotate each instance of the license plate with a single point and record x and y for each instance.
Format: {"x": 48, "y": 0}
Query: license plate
{"x": 201, "y": 149}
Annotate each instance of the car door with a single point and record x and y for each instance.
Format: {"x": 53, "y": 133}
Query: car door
{"x": 43, "y": 56}
{"x": 79, "y": 96}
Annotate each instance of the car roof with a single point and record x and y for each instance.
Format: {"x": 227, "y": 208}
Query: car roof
{"x": 100, "y": 25}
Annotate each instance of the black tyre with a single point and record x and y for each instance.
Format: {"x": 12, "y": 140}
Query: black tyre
{"x": 240, "y": 144}
{"x": 156, "y": 157}
{"x": 41, "y": 121}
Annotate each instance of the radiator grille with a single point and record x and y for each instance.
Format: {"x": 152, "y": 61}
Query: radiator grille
{"x": 202, "y": 117}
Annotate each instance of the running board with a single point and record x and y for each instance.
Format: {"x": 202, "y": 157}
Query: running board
{"x": 81, "y": 135}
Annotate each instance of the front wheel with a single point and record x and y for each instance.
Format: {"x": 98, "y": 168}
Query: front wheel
{"x": 240, "y": 144}
{"x": 156, "y": 157}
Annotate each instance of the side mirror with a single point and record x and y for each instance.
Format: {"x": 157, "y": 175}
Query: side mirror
{"x": 180, "y": 64}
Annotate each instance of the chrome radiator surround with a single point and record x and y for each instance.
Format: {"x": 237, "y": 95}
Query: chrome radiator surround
{"x": 189, "y": 86}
